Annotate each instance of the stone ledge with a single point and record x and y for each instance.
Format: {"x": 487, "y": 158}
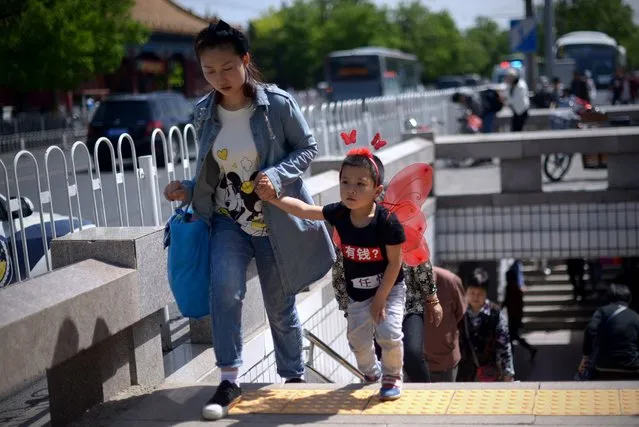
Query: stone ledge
{"x": 55, "y": 316}
{"x": 516, "y": 145}
{"x": 540, "y": 198}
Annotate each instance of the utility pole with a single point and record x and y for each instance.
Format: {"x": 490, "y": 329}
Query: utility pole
{"x": 549, "y": 37}
{"x": 531, "y": 63}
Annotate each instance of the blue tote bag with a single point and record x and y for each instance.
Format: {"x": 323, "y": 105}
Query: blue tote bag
{"x": 187, "y": 237}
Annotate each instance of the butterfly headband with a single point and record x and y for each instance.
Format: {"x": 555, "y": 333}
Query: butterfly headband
{"x": 377, "y": 143}
{"x": 222, "y": 28}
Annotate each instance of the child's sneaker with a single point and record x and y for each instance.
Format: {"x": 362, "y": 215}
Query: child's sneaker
{"x": 391, "y": 388}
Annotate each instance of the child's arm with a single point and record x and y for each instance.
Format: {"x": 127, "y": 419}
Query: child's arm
{"x": 299, "y": 208}
{"x": 394, "y": 255}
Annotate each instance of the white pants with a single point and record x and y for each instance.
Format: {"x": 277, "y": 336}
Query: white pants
{"x": 388, "y": 333}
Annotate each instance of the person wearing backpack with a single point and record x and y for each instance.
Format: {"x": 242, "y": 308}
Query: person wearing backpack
{"x": 493, "y": 103}
{"x": 484, "y": 339}
{"x": 484, "y": 104}
{"x": 611, "y": 340}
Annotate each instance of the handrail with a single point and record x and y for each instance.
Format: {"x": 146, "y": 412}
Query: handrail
{"x": 315, "y": 341}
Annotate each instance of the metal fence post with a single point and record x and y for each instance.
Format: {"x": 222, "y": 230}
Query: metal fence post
{"x": 150, "y": 187}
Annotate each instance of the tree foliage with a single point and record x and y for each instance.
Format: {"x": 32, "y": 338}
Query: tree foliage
{"x": 57, "y": 44}
{"x": 291, "y": 43}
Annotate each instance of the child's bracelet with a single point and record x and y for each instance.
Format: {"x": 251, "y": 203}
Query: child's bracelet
{"x": 434, "y": 301}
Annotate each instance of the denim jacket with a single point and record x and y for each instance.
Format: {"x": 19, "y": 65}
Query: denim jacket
{"x": 285, "y": 146}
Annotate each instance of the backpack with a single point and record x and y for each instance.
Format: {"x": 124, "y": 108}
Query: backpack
{"x": 491, "y": 100}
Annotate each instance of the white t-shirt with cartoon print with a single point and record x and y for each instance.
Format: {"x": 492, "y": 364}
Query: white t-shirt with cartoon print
{"x": 235, "y": 152}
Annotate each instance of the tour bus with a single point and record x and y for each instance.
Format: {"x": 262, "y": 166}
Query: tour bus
{"x": 594, "y": 51}
{"x": 370, "y": 71}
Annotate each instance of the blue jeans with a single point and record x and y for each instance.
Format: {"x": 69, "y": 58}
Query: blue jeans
{"x": 488, "y": 122}
{"x": 231, "y": 252}
{"x": 362, "y": 329}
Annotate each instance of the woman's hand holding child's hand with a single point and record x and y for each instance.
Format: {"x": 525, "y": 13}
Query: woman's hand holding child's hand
{"x": 264, "y": 187}
{"x": 378, "y": 308}
{"x": 175, "y": 192}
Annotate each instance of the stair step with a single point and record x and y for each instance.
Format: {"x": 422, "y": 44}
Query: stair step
{"x": 543, "y": 280}
{"x": 549, "y": 288}
{"x": 535, "y": 299}
{"x": 578, "y": 309}
{"x": 538, "y": 323}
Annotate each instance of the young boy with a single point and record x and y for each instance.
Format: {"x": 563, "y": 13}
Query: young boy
{"x": 371, "y": 239}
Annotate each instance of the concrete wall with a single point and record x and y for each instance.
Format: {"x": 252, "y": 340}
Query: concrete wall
{"x": 93, "y": 324}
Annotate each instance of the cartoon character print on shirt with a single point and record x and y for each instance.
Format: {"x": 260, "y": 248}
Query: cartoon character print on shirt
{"x": 242, "y": 203}
{"x": 233, "y": 199}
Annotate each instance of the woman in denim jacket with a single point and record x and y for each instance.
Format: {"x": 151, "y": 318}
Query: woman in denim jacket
{"x": 253, "y": 143}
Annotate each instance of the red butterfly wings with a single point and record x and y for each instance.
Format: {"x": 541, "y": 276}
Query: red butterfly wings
{"x": 415, "y": 250}
{"x": 404, "y": 197}
{"x": 349, "y": 138}
{"x": 408, "y": 214}
{"x": 412, "y": 183}
{"x": 378, "y": 142}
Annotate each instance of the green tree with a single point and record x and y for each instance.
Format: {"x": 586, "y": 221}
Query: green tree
{"x": 486, "y": 34}
{"x": 433, "y": 37}
{"x": 282, "y": 44}
{"x": 291, "y": 43}
{"x": 56, "y": 45}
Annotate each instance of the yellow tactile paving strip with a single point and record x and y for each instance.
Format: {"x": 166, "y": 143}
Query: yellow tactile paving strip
{"x": 578, "y": 402}
{"x": 629, "y": 402}
{"x": 489, "y": 402}
{"x": 442, "y": 402}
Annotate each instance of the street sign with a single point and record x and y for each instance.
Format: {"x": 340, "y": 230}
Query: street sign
{"x": 523, "y": 35}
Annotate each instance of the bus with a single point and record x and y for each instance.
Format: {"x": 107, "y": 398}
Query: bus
{"x": 594, "y": 51}
{"x": 370, "y": 71}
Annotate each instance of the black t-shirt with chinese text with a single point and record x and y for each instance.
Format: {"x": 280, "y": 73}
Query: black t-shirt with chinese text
{"x": 364, "y": 249}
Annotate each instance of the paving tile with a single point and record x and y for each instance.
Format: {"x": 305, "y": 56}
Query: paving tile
{"x": 328, "y": 402}
{"x": 412, "y": 402}
{"x": 492, "y": 402}
{"x": 629, "y": 402}
{"x": 577, "y": 402}
{"x": 263, "y": 401}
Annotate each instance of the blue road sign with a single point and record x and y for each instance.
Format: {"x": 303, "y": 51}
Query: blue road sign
{"x": 523, "y": 35}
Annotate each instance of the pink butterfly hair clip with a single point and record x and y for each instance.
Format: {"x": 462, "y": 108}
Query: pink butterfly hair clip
{"x": 351, "y": 138}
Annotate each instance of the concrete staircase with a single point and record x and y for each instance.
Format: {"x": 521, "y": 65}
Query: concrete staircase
{"x": 548, "y": 303}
